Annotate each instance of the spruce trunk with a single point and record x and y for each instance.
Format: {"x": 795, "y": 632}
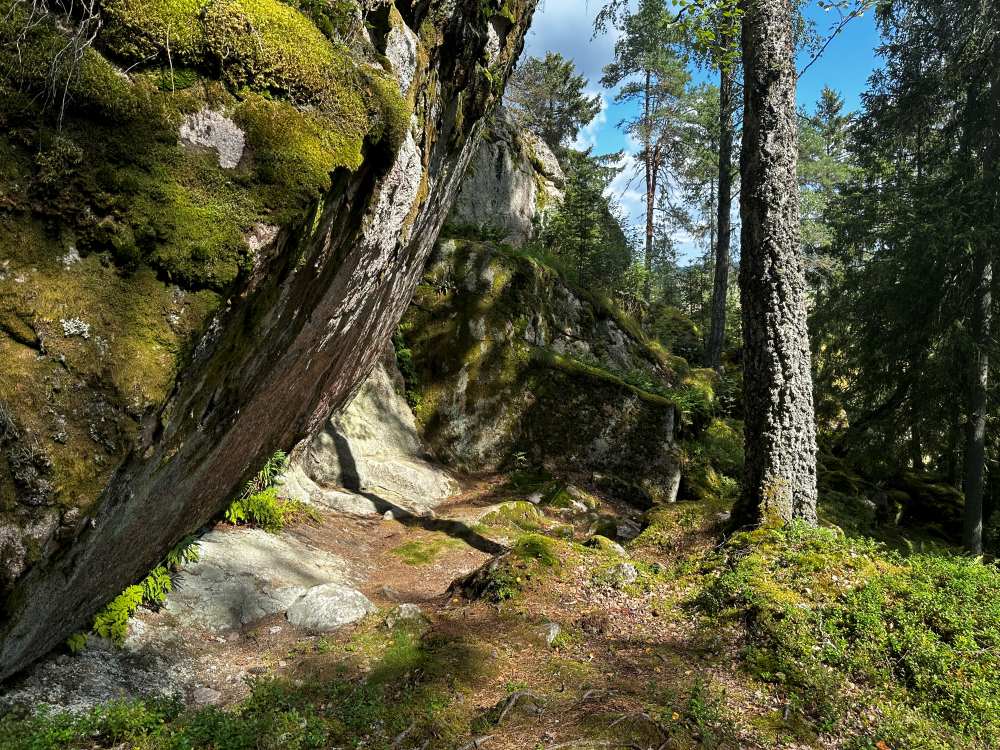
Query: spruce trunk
{"x": 975, "y": 452}
{"x": 780, "y": 472}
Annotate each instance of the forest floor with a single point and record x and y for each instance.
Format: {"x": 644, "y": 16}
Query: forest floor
{"x": 566, "y": 639}
{"x": 559, "y": 645}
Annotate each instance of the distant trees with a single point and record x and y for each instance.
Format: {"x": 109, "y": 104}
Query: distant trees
{"x": 585, "y": 232}
{"x": 909, "y": 316}
{"x": 549, "y": 97}
{"x": 824, "y": 165}
{"x": 649, "y": 73}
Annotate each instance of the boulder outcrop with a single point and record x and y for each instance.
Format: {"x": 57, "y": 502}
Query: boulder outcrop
{"x": 514, "y": 366}
{"x": 512, "y": 182}
{"x": 173, "y": 307}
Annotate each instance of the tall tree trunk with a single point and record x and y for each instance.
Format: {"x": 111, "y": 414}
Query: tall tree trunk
{"x": 720, "y": 292}
{"x": 780, "y": 474}
{"x": 650, "y": 185}
{"x": 951, "y": 460}
{"x": 916, "y": 445}
{"x": 975, "y": 451}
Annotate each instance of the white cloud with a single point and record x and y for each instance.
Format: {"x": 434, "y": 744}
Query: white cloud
{"x": 564, "y": 26}
{"x": 589, "y": 135}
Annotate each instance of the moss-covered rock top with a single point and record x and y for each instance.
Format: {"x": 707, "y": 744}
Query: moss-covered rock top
{"x": 150, "y": 154}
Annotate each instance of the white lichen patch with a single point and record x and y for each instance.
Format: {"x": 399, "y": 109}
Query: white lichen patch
{"x": 209, "y": 128}
{"x": 75, "y": 327}
{"x": 71, "y": 257}
{"x": 260, "y": 236}
{"x": 401, "y": 49}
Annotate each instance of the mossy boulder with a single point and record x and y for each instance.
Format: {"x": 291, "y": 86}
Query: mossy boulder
{"x": 175, "y": 310}
{"x": 512, "y": 364}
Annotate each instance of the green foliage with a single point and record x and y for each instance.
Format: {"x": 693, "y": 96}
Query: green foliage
{"x": 919, "y": 635}
{"x": 112, "y": 621}
{"x": 584, "y": 233}
{"x": 265, "y": 509}
{"x": 404, "y": 361}
{"x": 76, "y": 642}
{"x": 261, "y": 503}
{"x": 676, "y": 330}
{"x": 412, "y": 684}
{"x": 909, "y": 231}
{"x": 547, "y": 97}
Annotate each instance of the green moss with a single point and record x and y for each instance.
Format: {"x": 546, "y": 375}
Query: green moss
{"x": 518, "y": 514}
{"x": 295, "y": 152}
{"x": 424, "y": 552}
{"x": 919, "y": 636}
{"x": 537, "y": 548}
{"x": 577, "y": 368}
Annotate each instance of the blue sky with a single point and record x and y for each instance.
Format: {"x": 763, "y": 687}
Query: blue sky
{"x": 566, "y": 26}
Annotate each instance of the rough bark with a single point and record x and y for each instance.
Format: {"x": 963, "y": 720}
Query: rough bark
{"x": 975, "y": 451}
{"x": 651, "y": 176}
{"x": 289, "y": 349}
{"x": 780, "y": 473}
{"x": 720, "y": 291}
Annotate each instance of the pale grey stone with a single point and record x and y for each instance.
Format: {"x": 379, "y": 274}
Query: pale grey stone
{"x": 512, "y": 181}
{"x": 209, "y": 128}
{"x": 624, "y": 574}
{"x": 205, "y": 696}
{"x": 547, "y": 633}
{"x": 328, "y": 607}
{"x": 370, "y": 455}
{"x": 243, "y": 575}
{"x": 401, "y": 49}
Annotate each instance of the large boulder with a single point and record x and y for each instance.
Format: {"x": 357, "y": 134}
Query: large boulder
{"x": 514, "y": 366}
{"x": 202, "y": 255}
{"x": 368, "y": 452}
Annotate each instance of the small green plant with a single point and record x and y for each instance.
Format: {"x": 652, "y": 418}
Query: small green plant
{"x": 261, "y": 504}
{"x": 76, "y": 642}
{"x": 112, "y": 621}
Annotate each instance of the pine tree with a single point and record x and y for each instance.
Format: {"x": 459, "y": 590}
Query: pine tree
{"x": 650, "y": 74}
{"x": 547, "y": 96}
{"x": 780, "y": 431}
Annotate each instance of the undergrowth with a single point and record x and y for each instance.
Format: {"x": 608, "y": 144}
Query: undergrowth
{"x": 112, "y": 621}
{"x": 840, "y": 623}
{"x": 411, "y": 684}
{"x": 261, "y": 503}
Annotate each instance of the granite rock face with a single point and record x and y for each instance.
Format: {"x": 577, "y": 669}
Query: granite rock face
{"x": 512, "y": 182}
{"x": 369, "y": 451}
{"x": 244, "y": 575}
{"x": 200, "y": 380}
{"x": 514, "y": 366}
